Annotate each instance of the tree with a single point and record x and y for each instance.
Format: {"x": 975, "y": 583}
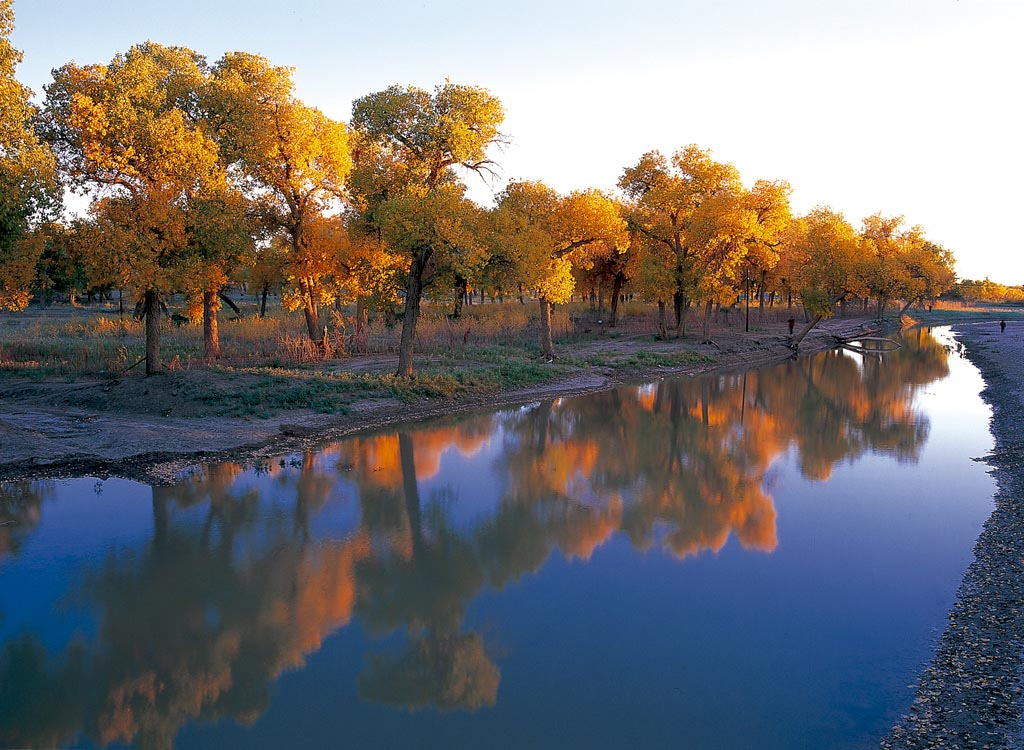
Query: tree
{"x": 373, "y": 270}
{"x": 59, "y": 267}
{"x": 664, "y": 197}
{"x": 409, "y": 190}
{"x": 28, "y": 180}
{"x": 825, "y": 261}
{"x": 934, "y": 266}
{"x": 132, "y": 131}
{"x": 768, "y": 201}
{"x": 547, "y": 233}
{"x": 653, "y": 275}
{"x": 611, "y": 266}
{"x": 717, "y": 236}
{"x": 314, "y": 270}
{"x": 220, "y": 230}
{"x": 437, "y": 229}
{"x": 293, "y": 159}
{"x": 902, "y": 263}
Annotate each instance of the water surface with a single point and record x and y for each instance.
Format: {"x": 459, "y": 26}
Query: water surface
{"x": 760, "y": 559}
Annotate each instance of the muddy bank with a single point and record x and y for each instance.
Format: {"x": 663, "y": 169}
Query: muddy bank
{"x": 152, "y": 429}
{"x": 970, "y": 695}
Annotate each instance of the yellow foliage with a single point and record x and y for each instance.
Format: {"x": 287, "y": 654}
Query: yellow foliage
{"x": 535, "y": 226}
{"x": 28, "y": 183}
{"x": 17, "y": 269}
{"x": 557, "y": 284}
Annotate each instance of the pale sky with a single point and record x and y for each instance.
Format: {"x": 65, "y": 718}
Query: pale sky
{"x": 908, "y": 107}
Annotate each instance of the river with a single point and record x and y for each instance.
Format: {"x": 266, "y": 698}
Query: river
{"x": 756, "y": 559}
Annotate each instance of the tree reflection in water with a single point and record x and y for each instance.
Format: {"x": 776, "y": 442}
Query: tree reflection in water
{"x": 198, "y": 624}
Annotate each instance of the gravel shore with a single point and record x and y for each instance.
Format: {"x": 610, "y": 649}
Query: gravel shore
{"x": 970, "y": 696}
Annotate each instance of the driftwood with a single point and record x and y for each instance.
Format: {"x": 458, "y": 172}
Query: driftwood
{"x": 893, "y": 345}
{"x": 858, "y": 336}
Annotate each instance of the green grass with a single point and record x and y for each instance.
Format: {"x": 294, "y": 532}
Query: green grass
{"x": 277, "y": 389}
{"x": 665, "y": 359}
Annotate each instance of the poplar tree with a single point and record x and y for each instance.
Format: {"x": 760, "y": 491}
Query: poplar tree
{"x": 28, "y": 180}
{"x": 410, "y": 189}
{"x": 131, "y": 132}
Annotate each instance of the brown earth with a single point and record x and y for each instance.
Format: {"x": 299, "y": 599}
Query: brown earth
{"x": 152, "y": 428}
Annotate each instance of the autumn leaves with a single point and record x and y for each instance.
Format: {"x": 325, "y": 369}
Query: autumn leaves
{"x": 199, "y": 174}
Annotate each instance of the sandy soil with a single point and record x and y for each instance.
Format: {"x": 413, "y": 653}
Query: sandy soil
{"x": 152, "y": 428}
{"x": 970, "y": 696}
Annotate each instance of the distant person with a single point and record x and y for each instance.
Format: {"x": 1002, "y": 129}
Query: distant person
{"x": 1002, "y": 326}
{"x": 792, "y": 322}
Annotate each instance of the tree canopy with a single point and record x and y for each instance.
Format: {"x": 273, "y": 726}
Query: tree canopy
{"x": 200, "y": 175}
{"x": 28, "y": 179}
{"x": 407, "y": 184}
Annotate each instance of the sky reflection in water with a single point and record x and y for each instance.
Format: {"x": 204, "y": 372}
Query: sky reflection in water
{"x": 753, "y": 559}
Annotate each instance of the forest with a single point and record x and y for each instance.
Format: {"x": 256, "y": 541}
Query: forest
{"x": 202, "y": 178}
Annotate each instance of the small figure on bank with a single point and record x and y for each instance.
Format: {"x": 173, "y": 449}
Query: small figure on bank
{"x": 792, "y": 322}
{"x": 1002, "y": 326}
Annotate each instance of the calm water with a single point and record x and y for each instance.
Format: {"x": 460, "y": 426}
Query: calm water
{"x": 746, "y": 560}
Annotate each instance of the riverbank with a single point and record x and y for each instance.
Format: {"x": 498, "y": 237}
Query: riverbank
{"x": 970, "y": 695}
{"x": 150, "y": 429}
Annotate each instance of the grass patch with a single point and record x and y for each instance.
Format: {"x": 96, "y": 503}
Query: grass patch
{"x": 665, "y": 359}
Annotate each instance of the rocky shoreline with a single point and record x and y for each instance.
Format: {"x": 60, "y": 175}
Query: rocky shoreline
{"x": 970, "y": 695}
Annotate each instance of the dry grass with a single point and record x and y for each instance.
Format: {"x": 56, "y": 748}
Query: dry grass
{"x": 61, "y": 341}
{"x": 96, "y": 340}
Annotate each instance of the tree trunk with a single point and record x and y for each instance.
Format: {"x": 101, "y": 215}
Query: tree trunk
{"x": 311, "y": 311}
{"x": 151, "y": 310}
{"x": 211, "y": 334}
{"x": 361, "y": 323}
{"x": 521, "y": 300}
{"x": 746, "y": 304}
{"x": 460, "y": 297}
{"x": 616, "y": 291}
{"x": 760, "y": 297}
{"x": 413, "y": 295}
{"x": 547, "y": 349}
{"x": 662, "y": 328}
{"x": 707, "y": 321}
{"x": 677, "y": 308}
{"x": 795, "y": 343}
{"x": 263, "y": 301}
